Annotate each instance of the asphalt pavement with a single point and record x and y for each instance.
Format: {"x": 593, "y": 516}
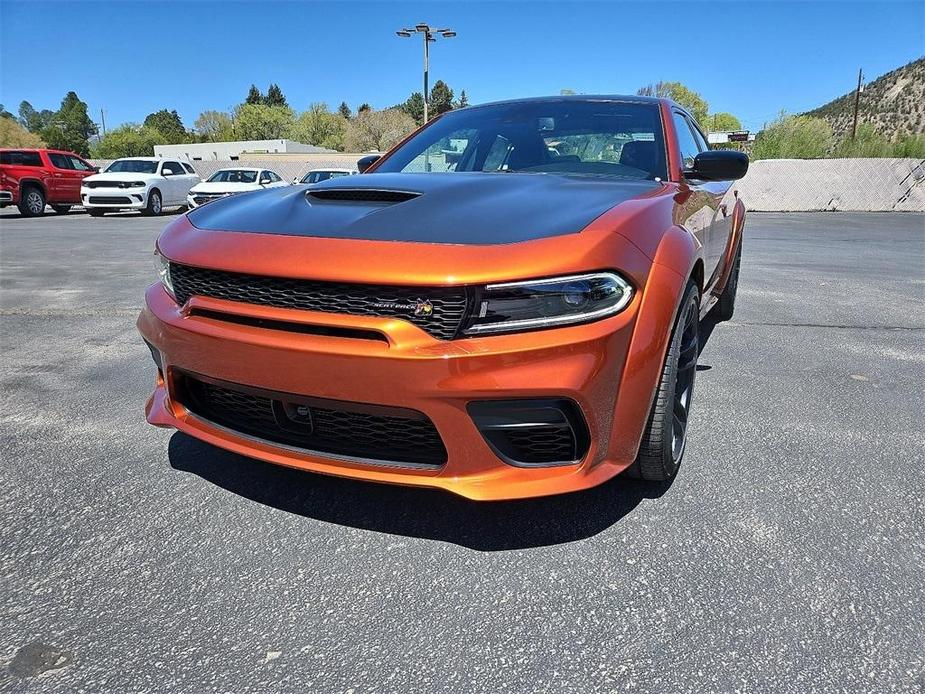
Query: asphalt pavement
{"x": 787, "y": 556}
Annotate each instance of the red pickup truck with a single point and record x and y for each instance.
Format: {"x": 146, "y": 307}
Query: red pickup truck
{"x": 33, "y": 178}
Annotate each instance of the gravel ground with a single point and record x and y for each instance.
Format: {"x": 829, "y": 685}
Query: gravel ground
{"x": 787, "y": 556}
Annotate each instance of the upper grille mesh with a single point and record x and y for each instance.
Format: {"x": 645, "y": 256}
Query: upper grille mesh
{"x": 449, "y": 303}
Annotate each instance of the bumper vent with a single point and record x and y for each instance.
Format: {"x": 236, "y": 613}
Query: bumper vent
{"x": 533, "y": 433}
{"x": 356, "y": 431}
{"x": 437, "y": 310}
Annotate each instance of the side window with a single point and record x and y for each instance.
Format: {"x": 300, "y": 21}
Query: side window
{"x": 173, "y": 167}
{"x": 79, "y": 164}
{"x": 686, "y": 142}
{"x": 498, "y": 153}
{"x": 698, "y": 137}
{"x": 21, "y": 158}
{"x": 60, "y": 161}
{"x": 265, "y": 177}
{"x": 189, "y": 169}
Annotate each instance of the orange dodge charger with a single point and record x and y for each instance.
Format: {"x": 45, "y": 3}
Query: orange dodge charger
{"x": 504, "y": 305}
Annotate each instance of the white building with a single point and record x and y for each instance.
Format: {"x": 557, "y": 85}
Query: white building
{"x": 211, "y": 151}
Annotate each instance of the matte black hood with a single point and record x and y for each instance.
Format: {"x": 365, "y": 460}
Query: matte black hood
{"x": 457, "y": 208}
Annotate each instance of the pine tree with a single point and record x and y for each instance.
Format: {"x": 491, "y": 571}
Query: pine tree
{"x": 463, "y": 100}
{"x": 254, "y": 96}
{"x": 275, "y": 96}
{"x": 344, "y": 110}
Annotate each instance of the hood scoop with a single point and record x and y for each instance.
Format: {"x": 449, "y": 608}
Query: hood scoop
{"x": 361, "y": 195}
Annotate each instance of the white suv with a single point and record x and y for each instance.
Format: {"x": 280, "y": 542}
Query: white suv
{"x": 148, "y": 184}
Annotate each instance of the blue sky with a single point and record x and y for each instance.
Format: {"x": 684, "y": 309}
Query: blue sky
{"x": 749, "y": 58}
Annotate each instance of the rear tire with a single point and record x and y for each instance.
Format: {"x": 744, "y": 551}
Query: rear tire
{"x": 95, "y": 212}
{"x": 61, "y": 209}
{"x": 726, "y": 305}
{"x": 665, "y": 436}
{"x": 32, "y": 202}
{"x": 155, "y": 204}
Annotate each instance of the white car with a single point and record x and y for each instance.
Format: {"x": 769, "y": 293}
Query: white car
{"x": 149, "y": 184}
{"x": 318, "y": 175}
{"x": 226, "y": 182}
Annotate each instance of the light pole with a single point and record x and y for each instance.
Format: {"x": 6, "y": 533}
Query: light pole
{"x": 429, "y": 34}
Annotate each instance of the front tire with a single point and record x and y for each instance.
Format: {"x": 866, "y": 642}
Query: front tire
{"x": 665, "y": 437}
{"x": 61, "y": 209}
{"x": 155, "y": 204}
{"x": 32, "y": 203}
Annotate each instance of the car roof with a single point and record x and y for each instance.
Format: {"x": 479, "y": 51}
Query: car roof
{"x": 241, "y": 168}
{"x": 625, "y": 98}
{"x": 329, "y": 169}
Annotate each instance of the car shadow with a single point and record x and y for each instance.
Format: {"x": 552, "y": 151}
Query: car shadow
{"x": 412, "y": 511}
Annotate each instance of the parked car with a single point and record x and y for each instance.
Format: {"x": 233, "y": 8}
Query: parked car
{"x": 508, "y": 322}
{"x": 149, "y": 184}
{"x": 319, "y": 175}
{"x": 225, "y": 182}
{"x": 33, "y": 178}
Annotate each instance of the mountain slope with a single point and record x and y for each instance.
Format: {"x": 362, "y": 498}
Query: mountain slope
{"x": 893, "y": 103}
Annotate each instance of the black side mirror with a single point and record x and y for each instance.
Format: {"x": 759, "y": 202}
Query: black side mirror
{"x": 718, "y": 165}
{"x": 95, "y": 169}
{"x": 365, "y": 162}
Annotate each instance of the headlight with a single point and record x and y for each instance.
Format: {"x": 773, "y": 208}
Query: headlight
{"x": 162, "y": 268}
{"x": 549, "y": 303}
{"x": 137, "y": 184}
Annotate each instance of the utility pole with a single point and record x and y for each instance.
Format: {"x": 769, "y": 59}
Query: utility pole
{"x": 428, "y": 33}
{"x": 103, "y": 122}
{"x": 857, "y": 102}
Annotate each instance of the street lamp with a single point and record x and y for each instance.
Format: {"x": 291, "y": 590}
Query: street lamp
{"x": 429, "y": 34}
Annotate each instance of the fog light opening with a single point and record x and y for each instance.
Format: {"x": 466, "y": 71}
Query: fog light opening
{"x": 543, "y": 432}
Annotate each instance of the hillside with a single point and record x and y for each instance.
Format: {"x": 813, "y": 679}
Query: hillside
{"x": 894, "y": 103}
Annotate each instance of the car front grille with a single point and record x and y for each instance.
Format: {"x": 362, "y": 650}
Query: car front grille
{"x": 437, "y": 310}
{"x": 106, "y": 184}
{"x": 108, "y": 200}
{"x": 356, "y": 431}
{"x": 203, "y": 198}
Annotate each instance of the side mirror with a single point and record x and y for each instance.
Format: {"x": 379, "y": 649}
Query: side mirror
{"x": 95, "y": 169}
{"x": 365, "y": 162}
{"x": 718, "y": 165}
{"x": 295, "y": 181}
{"x": 165, "y": 173}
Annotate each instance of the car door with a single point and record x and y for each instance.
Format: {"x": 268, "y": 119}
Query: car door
{"x": 697, "y": 205}
{"x": 175, "y": 186}
{"x": 192, "y": 178}
{"x": 64, "y": 183}
{"x": 721, "y": 229}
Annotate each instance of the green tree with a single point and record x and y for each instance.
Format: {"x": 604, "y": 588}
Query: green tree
{"x": 260, "y": 122}
{"x": 463, "y": 100}
{"x": 363, "y": 107}
{"x": 275, "y": 96}
{"x": 168, "y": 123}
{"x": 793, "y": 137}
{"x": 129, "y": 140}
{"x": 32, "y": 120}
{"x": 214, "y": 126}
{"x": 377, "y": 130}
{"x": 318, "y": 126}
{"x": 4, "y": 113}
{"x": 441, "y": 99}
{"x": 12, "y": 134}
{"x": 344, "y": 111}
{"x": 722, "y": 122}
{"x": 681, "y": 94}
{"x": 70, "y": 128}
{"x": 414, "y": 107}
{"x": 254, "y": 97}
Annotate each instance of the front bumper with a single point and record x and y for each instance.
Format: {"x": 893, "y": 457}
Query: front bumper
{"x": 408, "y": 369}
{"x": 114, "y": 198}
{"x": 6, "y": 197}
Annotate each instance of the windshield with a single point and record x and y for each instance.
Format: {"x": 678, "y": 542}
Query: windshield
{"x": 316, "y": 176}
{"x": 132, "y": 166}
{"x": 233, "y": 176}
{"x": 592, "y": 138}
